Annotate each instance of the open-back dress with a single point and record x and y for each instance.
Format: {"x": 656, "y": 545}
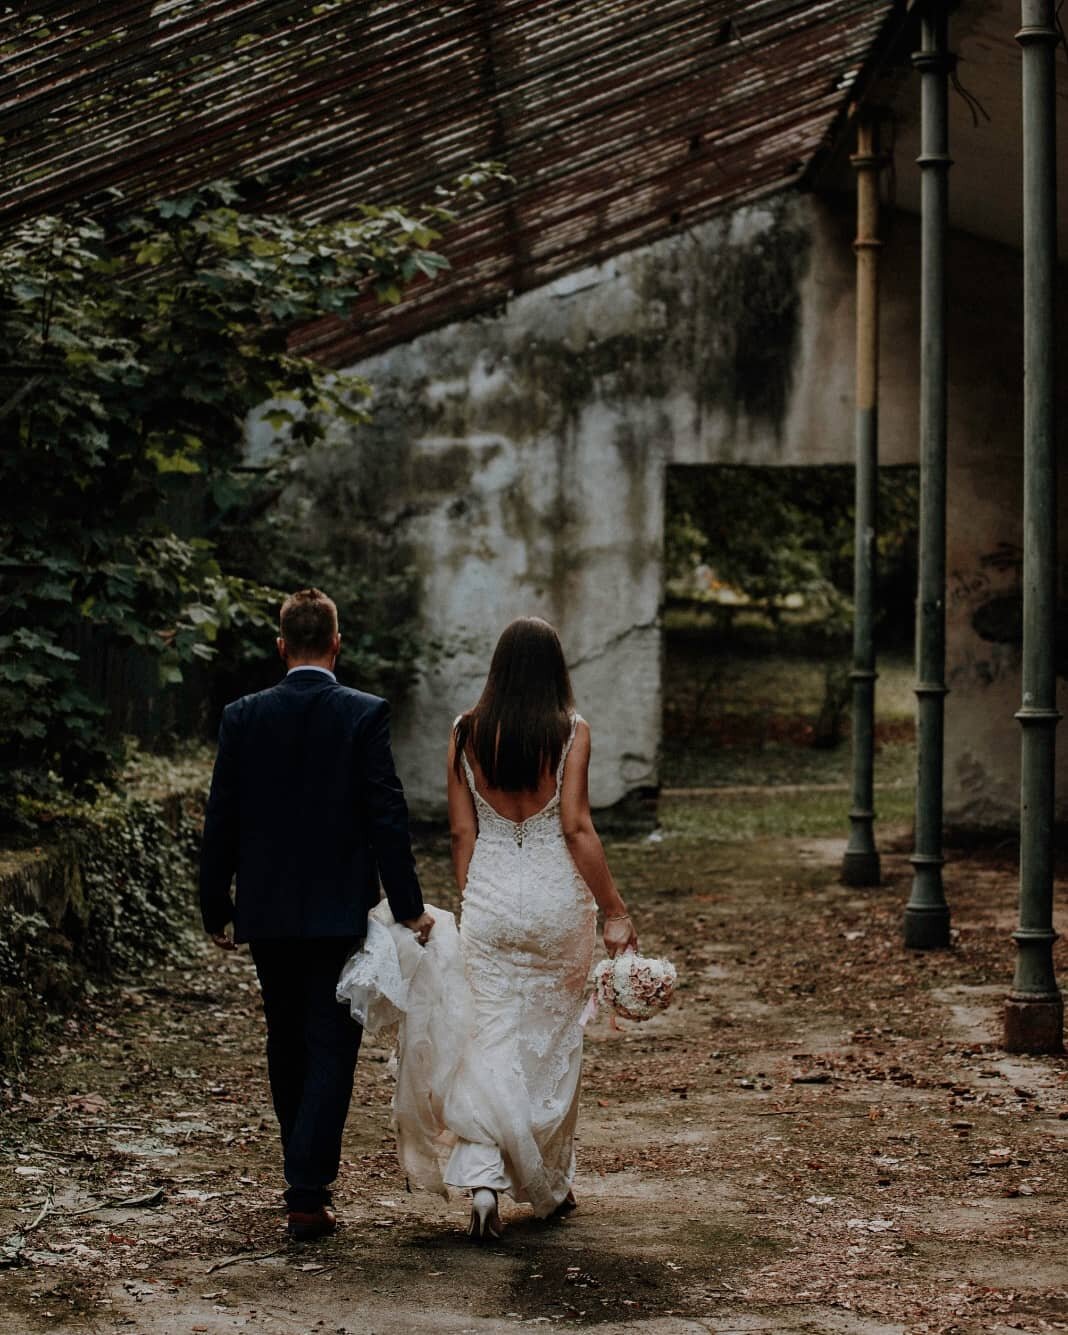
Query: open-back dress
{"x": 489, "y": 1051}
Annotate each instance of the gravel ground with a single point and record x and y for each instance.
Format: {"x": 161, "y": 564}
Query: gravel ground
{"x": 821, "y": 1136}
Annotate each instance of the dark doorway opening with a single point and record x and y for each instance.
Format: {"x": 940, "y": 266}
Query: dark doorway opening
{"x": 758, "y": 624}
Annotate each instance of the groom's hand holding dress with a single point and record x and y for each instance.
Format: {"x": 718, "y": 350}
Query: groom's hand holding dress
{"x": 307, "y": 812}
{"x": 421, "y": 926}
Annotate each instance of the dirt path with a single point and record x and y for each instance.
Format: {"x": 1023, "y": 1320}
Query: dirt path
{"x": 822, "y": 1136}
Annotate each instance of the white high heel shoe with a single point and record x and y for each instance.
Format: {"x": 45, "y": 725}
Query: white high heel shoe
{"x": 485, "y": 1225}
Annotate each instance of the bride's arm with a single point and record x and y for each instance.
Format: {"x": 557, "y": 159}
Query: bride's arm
{"x": 586, "y": 848}
{"x": 463, "y": 823}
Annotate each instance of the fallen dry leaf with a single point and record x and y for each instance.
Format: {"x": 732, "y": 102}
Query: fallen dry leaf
{"x": 90, "y": 1103}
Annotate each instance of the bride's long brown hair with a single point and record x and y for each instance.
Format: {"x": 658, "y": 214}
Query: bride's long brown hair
{"x": 521, "y": 723}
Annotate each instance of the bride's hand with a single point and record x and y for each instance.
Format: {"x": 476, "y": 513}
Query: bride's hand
{"x": 619, "y": 935}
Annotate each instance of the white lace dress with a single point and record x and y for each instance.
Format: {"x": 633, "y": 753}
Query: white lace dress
{"x": 490, "y": 1039}
{"x": 528, "y": 933}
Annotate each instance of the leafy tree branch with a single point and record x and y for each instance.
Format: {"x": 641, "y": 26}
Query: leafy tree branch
{"x": 134, "y": 352}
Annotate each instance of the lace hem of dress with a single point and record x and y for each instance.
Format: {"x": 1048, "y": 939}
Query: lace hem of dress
{"x": 371, "y": 981}
{"x": 391, "y": 979}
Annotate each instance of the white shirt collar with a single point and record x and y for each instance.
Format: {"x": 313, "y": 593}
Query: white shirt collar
{"x": 310, "y": 667}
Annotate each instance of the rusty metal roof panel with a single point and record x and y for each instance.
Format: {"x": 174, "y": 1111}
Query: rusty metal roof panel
{"x": 620, "y": 120}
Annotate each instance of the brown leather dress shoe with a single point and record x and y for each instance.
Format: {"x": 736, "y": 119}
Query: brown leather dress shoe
{"x": 304, "y": 1226}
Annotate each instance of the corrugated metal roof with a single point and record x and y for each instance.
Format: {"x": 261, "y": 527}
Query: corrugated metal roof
{"x": 620, "y": 120}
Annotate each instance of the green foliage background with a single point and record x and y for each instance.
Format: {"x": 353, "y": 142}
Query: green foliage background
{"x": 133, "y": 352}
{"x": 770, "y": 532}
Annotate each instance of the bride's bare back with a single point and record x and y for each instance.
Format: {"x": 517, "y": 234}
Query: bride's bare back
{"x": 515, "y": 806}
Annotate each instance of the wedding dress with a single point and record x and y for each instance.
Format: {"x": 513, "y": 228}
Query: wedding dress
{"x": 490, "y": 1018}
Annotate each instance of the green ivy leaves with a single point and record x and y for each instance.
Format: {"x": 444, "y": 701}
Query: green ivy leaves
{"x": 132, "y": 356}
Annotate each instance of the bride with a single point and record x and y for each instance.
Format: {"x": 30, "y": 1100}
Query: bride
{"x": 490, "y": 1039}
{"x": 532, "y": 873}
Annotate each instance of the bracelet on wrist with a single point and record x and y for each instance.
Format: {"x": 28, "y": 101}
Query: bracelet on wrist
{"x": 616, "y": 917}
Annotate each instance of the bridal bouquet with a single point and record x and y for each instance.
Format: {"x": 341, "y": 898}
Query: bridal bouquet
{"x": 633, "y": 986}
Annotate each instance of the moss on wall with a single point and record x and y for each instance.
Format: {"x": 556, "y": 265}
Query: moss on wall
{"x": 105, "y": 899}
{"x": 521, "y": 457}
{"x": 714, "y": 313}
{"x": 717, "y": 315}
{"x": 739, "y": 296}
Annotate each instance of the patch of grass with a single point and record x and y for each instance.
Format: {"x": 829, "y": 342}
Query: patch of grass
{"x": 739, "y": 817}
{"x": 698, "y": 762}
{"x": 738, "y": 716}
{"x": 716, "y": 678}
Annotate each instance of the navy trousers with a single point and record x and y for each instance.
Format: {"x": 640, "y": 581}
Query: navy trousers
{"x": 312, "y": 1043}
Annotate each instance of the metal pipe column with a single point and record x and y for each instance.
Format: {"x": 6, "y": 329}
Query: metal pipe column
{"x": 860, "y": 865}
{"x": 1034, "y": 1011}
{"x": 927, "y": 913}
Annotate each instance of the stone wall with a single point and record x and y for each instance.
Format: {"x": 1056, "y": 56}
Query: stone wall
{"x": 524, "y": 453}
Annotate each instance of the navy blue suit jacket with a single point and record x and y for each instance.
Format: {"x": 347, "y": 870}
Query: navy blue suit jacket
{"x": 307, "y": 811}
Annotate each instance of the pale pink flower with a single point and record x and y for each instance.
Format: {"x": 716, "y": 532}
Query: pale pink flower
{"x": 633, "y": 986}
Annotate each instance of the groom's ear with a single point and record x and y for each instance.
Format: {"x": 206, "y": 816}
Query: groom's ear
{"x": 281, "y": 648}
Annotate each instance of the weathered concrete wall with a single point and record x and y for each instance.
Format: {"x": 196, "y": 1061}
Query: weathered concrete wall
{"x": 528, "y": 450}
{"x": 984, "y": 549}
{"x": 534, "y": 445}
{"x": 985, "y": 499}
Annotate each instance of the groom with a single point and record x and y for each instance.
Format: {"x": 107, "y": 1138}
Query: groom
{"x": 307, "y": 811}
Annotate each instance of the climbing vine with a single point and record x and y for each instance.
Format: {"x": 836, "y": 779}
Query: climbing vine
{"x": 129, "y": 866}
{"x": 133, "y": 351}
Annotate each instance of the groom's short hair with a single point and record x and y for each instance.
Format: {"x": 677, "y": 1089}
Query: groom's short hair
{"x": 308, "y": 622}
